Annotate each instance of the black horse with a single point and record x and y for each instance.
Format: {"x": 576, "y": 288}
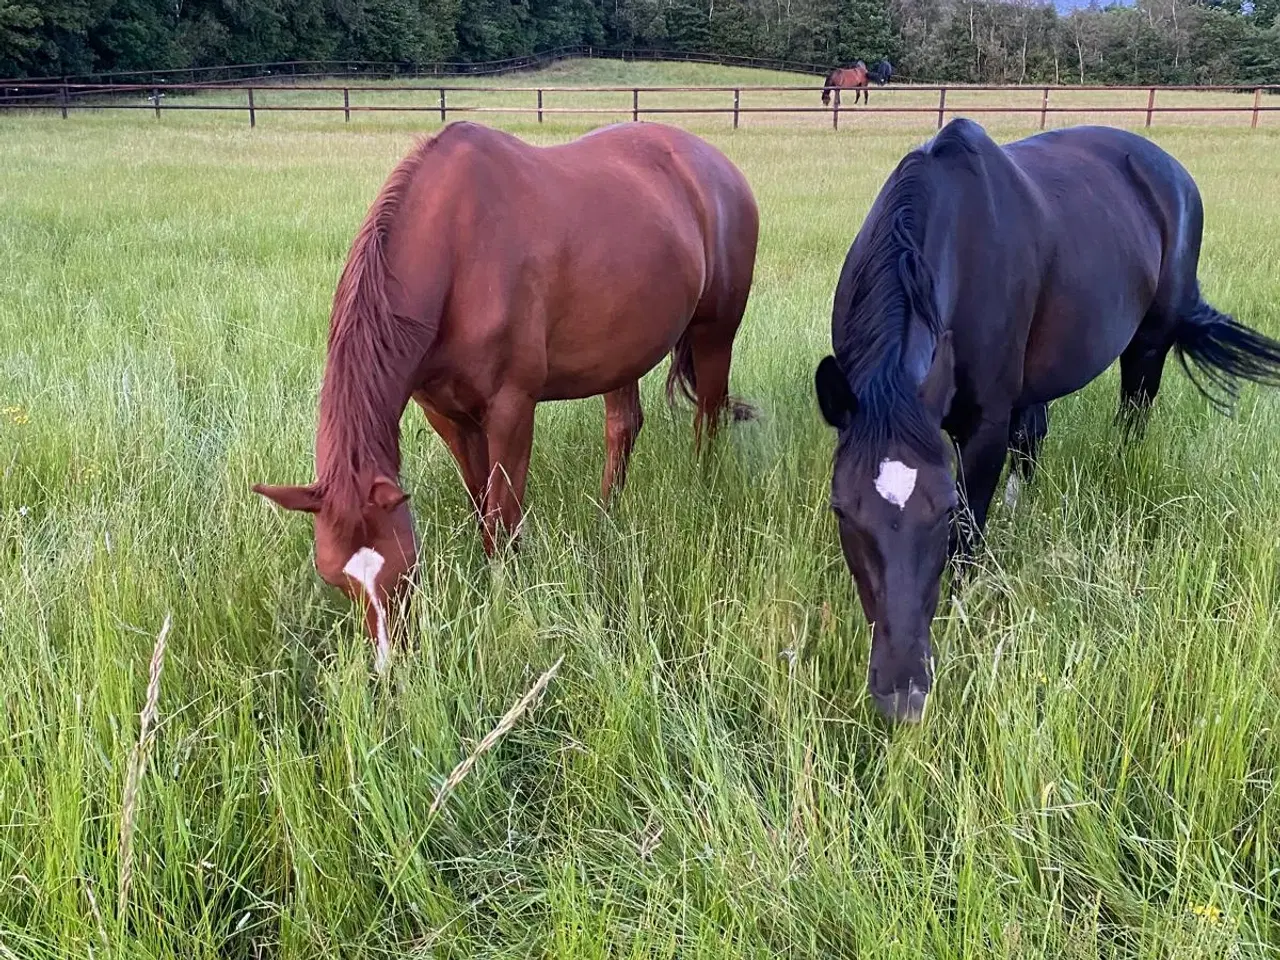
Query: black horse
{"x": 882, "y": 73}
{"x": 985, "y": 282}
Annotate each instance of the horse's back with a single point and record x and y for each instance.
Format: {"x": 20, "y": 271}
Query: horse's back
{"x": 575, "y": 267}
{"x": 661, "y": 154}
{"x": 693, "y": 183}
{"x": 1122, "y": 240}
{"x": 1113, "y": 188}
{"x": 615, "y": 188}
{"x": 1083, "y": 151}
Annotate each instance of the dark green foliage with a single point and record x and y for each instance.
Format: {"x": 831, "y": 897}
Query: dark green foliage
{"x": 688, "y": 25}
{"x": 981, "y": 41}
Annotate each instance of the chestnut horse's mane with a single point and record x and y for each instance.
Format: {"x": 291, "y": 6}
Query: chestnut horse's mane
{"x": 363, "y": 394}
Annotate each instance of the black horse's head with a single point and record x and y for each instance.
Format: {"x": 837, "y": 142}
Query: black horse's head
{"x": 893, "y": 502}
{"x": 883, "y": 72}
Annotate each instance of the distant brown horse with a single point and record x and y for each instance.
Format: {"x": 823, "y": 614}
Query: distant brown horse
{"x": 847, "y": 77}
{"x": 490, "y": 275}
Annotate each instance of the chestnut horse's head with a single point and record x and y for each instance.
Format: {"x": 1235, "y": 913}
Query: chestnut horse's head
{"x": 827, "y": 84}
{"x": 365, "y": 544}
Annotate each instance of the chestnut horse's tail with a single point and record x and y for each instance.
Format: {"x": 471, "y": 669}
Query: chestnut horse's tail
{"x": 682, "y": 381}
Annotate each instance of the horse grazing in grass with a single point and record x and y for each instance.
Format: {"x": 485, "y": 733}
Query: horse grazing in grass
{"x": 854, "y": 77}
{"x": 490, "y": 275}
{"x": 985, "y": 282}
{"x": 883, "y": 73}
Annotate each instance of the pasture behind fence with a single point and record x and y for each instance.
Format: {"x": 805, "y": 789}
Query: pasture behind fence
{"x": 736, "y": 103}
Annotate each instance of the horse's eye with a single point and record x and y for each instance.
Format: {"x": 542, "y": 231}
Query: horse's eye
{"x": 838, "y": 512}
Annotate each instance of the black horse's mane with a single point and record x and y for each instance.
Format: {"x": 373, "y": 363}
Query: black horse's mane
{"x": 890, "y": 284}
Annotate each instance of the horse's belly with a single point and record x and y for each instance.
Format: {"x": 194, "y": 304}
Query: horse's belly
{"x": 589, "y": 355}
{"x": 1074, "y": 342}
{"x": 607, "y": 332}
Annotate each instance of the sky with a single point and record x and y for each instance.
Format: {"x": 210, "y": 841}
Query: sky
{"x": 1066, "y": 6}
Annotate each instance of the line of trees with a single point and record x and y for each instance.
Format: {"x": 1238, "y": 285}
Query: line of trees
{"x": 988, "y": 41}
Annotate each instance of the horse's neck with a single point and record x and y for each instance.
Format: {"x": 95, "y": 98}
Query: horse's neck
{"x": 364, "y": 395}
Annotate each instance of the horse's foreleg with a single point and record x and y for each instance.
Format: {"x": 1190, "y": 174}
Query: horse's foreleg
{"x": 467, "y": 443}
{"x": 623, "y": 418}
{"x": 981, "y": 459}
{"x": 508, "y": 427}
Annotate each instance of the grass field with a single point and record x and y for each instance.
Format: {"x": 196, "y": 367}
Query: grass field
{"x": 704, "y": 778}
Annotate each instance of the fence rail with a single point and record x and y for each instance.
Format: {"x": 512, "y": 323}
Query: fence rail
{"x": 67, "y": 97}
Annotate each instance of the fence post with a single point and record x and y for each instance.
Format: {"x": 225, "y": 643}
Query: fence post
{"x": 442, "y": 106}
{"x": 346, "y": 104}
{"x": 253, "y": 117}
{"x": 539, "y": 104}
{"x": 1044, "y": 107}
{"x": 155, "y": 100}
{"x": 835, "y": 111}
{"x": 1151, "y": 105}
{"x": 635, "y": 105}
{"x": 1257, "y": 100}
{"x": 942, "y": 106}
{"x": 737, "y": 95}
{"x": 63, "y": 96}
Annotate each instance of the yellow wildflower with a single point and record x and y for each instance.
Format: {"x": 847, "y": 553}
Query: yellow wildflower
{"x": 1207, "y": 911}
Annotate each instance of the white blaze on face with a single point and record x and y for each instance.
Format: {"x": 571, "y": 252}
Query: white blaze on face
{"x": 896, "y": 482}
{"x": 363, "y": 568}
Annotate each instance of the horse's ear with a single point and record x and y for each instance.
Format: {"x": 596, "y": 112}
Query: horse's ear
{"x": 835, "y": 399}
{"x": 386, "y": 493}
{"x": 939, "y": 384}
{"x": 305, "y": 499}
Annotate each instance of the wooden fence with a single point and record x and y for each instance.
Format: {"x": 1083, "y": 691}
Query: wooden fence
{"x": 65, "y": 98}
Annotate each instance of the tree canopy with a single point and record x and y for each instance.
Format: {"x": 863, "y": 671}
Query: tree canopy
{"x": 989, "y": 41}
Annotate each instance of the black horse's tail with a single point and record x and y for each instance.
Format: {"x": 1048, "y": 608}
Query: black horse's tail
{"x": 682, "y": 381}
{"x": 1217, "y": 352}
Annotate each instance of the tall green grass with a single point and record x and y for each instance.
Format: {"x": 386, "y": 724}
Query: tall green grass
{"x": 704, "y": 776}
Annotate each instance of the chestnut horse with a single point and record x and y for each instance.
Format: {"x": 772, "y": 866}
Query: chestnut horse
{"x": 490, "y": 275}
{"x": 846, "y": 77}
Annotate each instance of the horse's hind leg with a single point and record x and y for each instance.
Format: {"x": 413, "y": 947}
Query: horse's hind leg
{"x": 711, "y": 346}
{"x": 1027, "y": 429}
{"x": 623, "y": 418}
{"x": 1141, "y": 368}
{"x": 712, "y": 355}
